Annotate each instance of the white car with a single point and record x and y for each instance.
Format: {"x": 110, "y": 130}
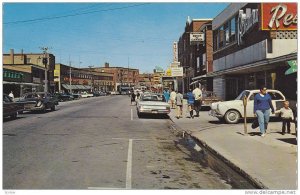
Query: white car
{"x": 86, "y": 95}
{"x": 232, "y": 111}
{"x": 152, "y": 104}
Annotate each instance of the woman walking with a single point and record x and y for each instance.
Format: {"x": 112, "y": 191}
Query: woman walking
{"x": 191, "y": 101}
{"x": 262, "y": 105}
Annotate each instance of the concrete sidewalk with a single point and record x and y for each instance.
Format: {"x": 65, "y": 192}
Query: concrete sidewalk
{"x": 270, "y": 162}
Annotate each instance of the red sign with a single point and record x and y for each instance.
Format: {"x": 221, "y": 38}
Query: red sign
{"x": 279, "y": 16}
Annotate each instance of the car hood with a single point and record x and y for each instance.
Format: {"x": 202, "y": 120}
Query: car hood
{"x": 154, "y": 103}
{"x": 225, "y": 103}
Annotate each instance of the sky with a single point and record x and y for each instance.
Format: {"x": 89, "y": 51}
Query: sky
{"x": 138, "y": 35}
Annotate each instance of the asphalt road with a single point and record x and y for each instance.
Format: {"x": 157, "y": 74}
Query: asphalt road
{"x": 99, "y": 143}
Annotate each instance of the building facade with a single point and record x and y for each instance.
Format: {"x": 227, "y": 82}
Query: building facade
{"x": 192, "y": 51}
{"x": 122, "y": 77}
{"x": 253, "y": 45}
{"x": 71, "y": 79}
{"x": 25, "y": 72}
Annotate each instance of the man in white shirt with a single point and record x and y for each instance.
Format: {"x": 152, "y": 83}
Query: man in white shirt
{"x": 11, "y": 95}
{"x": 172, "y": 98}
{"x": 198, "y": 100}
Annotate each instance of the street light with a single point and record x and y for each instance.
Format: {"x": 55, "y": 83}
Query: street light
{"x": 92, "y": 81}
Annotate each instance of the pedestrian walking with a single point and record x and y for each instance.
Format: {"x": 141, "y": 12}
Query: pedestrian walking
{"x": 262, "y": 105}
{"x": 179, "y": 104}
{"x": 172, "y": 98}
{"x": 198, "y": 100}
{"x": 166, "y": 94}
{"x": 191, "y": 101}
{"x": 132, "y": 99}
{"x": 287, "y": 116}
{"x": 138, "y": 95}
{"x": 11, "y": 95}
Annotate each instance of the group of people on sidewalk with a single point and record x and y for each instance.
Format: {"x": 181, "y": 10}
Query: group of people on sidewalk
{"x": 262, "y": 107}
{"x": 194, "y": 100}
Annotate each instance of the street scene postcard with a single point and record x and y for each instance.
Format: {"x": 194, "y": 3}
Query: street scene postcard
{"x": 129, "y": 96}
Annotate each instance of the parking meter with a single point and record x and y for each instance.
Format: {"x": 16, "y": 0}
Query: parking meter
{"x": 245, "y": 114}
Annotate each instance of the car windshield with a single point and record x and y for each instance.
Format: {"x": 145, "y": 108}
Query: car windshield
{"x": 150, "y": 98}
{"x": 241, "y": 96}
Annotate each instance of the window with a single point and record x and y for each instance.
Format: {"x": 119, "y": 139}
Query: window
{"x": 198, "y": 64}
{"x": 28, "y": 60}
{"x": 221, "y": 37}
{"x": 233, "y": 29}
{"x": 204, "y": 61}
{"x": 226, "y": 32}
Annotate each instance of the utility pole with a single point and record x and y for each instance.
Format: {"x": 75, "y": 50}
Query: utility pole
{"x": 92, "y": 76}
{"x": 70, "y": 79}
{"x": 45, "y": 62}
{"x": 128, "y": 73}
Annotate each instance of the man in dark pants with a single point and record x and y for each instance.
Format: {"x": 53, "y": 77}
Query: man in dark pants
{"x": 198, "y": 100}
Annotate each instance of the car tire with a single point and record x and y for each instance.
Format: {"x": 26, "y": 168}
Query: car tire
{"x": 232, "y": 116}
{"x": 53, "y": 108}
{"x": 139, "y": 114}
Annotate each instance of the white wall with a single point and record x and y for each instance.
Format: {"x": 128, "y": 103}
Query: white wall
{"x": 283, "y": 47}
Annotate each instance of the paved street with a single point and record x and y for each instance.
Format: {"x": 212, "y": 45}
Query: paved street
{"x": 98, "y": 143}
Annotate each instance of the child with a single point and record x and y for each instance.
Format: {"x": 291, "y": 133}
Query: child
{"x": 287, "y": 116}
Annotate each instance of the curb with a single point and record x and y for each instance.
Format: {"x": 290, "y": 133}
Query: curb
{"x": 202, "y": 144}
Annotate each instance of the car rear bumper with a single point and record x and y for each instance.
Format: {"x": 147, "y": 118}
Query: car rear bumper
{"x": 153, "y": 111}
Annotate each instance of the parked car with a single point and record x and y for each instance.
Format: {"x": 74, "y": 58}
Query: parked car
{"x": 11, "y": 108}
{"x": 76, "y": 95}
{"x": 63, "y": 97}
{"x": 232, "y": 111}
{"x": 86, "y": 95}
{"x": 152, "y": 104}
{"x": 41, "y": 101}
{"x": 209, "y": 97}
{"x": 99, "y": 93}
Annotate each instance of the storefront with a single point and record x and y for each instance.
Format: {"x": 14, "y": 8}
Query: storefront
{"x": 253, "y": 46}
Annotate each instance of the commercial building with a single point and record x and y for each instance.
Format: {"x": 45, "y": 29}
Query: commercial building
{"x": 253, "y": 45}
{"x": 192, "y": 51}
{"x": 23, "y": 72}
{"x": 71, "y": 79}
{"x": 122, "y": 77}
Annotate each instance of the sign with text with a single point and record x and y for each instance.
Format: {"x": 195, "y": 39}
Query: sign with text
{"x": 279, "y": 16}
{"x": 196, "y": 38}
{"x": 177, "y": 72}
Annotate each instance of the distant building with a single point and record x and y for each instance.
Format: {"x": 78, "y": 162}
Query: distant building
{"x": 122, "y": 77}
{"x": 71, "y": 79}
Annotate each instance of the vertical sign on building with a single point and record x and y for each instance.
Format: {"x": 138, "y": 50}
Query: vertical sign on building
{"x": 175, "y": 52}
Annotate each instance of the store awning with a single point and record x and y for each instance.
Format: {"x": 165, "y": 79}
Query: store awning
{"x": 200, "y": 77}
{"x": 19, "y": 83}
{"x": 68, "y": 87}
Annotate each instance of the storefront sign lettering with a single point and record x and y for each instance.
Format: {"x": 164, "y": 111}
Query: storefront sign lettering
{"x": 279, "y": 16}
{"x": 287, "y": 20}
{"x": 246, "y": 21}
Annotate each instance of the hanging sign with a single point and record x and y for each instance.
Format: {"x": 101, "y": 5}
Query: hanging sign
{"x": 293, "y": 67}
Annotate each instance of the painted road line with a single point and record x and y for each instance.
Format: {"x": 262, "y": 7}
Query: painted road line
{"x": 129, "y": 165}
{"x": 131, "y": 114}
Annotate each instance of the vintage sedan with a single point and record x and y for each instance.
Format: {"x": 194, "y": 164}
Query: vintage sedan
{"x": 232, "y": 111}
{"x": 41, "y": 101}
{"x": 152, "y": 104}
{"x": 11, "y": 108}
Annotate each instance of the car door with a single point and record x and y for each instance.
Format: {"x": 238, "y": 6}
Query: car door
{"x": 277, "y": 100}
{"x": 250, "y": 104}
{"x": 7, "y": 108}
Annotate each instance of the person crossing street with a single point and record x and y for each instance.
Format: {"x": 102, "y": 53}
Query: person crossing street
{"x": 198, "y": 100}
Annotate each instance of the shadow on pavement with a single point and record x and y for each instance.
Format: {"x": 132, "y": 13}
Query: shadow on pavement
{"x": 154, "y": 116}
{"x": 289, "y": 140}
